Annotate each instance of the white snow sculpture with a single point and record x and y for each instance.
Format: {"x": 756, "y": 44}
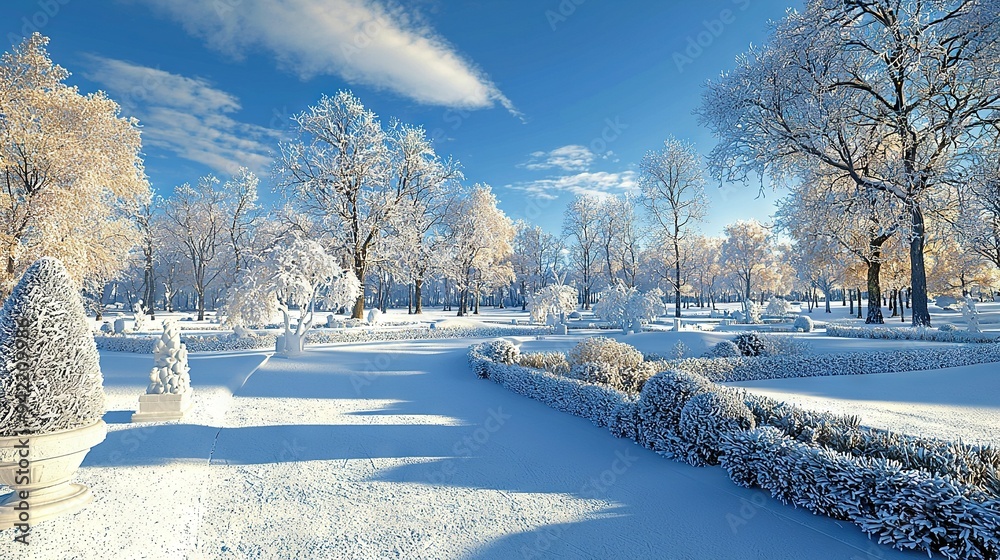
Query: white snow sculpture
{"x": 168, "y": 396}
{"x": 971, "y": 315}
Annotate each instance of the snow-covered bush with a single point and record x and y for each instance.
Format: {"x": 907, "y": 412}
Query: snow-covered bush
{"x": 908, "y": 509}
{"x": 501, "y": 351}
{"x": 552, "y": 362}
{"x": 623, "y": 306}
{"x": 593, "y": 372}
{"x": 553, "y": 300}
{"x": 726, "y": 349}
{"x": 750, "y": 344}
{"x": 659, "y": 409}
{"x": 604, "y": 350}
{"x": 612, "y": 363}
{"x": 680, "y": 350}
{"x": 374, "y": 316}
{"x": 753, "y": 312}
{"x": 295, "y": 273}
{"x": 908, "y": 333}
{"x": 239, "y": 331}
{"x": 170, "y": 373}
{"x": 778, "y": 307}
{"x": 624, "y": 422}
{"x": 50, "y": 373}
{"x": 947, "y": 327}
{"x": 803, "y": 323}
{"x": 706, "y": 418}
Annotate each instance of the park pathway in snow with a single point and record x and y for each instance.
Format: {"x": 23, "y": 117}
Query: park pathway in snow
{"x": 399, "y": 451}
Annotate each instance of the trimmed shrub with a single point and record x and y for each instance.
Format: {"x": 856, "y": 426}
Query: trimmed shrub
{"x": 592, "y": 372}
{"x": 910, "y": 333}
{"x": 552, "y": 362}
{"x": 605, "y": 350}
{"x": 726, "y": 349}
{"x": 750, "y": 344}
{"x": 659, "y": 409}
{"x": 501, "y": 351}
{"x": 624, "y": 421}
{"x": 947, "y": 327}
{"x": 706, "y": 418}
{"x": 50, "y": 372}
{"x": 803, "y": 323}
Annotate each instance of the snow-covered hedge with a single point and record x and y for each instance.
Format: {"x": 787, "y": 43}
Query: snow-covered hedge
{"x": 909, "y": 333}
{"x": 920, "y": 493}
{"x": 706, "y": 418}
{"x": 597, "y": 403}
{"x": 745, "y": 368}
{"x": 552, "y": 362}
{"x": 725, "y": 349}
{"x": 228, "y": 342}
{"x": 908, "y": 509}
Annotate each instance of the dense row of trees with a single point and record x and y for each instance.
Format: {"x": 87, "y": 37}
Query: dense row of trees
{"x": 881, "y": 118}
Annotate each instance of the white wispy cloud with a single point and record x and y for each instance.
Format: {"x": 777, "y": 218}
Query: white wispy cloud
{"x": 186, "y": 116}
{"x": 572, "y": 157}
{"x": 596, "y": 183}
{"x": 366, "y": 42}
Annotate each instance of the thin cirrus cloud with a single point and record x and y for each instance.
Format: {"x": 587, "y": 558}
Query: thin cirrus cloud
{"x": 573, "y": 157}
{"x": 363, "y": 41}
{"x": 594, "y": 183}
{"x": 185, "y": 116}
{"x": 570, "y": 166}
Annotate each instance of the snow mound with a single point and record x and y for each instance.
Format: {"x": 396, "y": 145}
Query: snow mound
{"x": 459, "y": 322}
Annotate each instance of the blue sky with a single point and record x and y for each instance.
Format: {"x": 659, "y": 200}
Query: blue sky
{"x": 540, "y": 99}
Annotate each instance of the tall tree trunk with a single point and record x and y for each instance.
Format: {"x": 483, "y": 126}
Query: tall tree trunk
{"x": 920, "y": 315}
{"x": 418, "y": 294}
{"x": 201, "y": 305}
{"x": 874, "y": 293}
{"x": 852, "y": 301}
{"x": 902, "y": 312}
{"x": 859, "y": 302}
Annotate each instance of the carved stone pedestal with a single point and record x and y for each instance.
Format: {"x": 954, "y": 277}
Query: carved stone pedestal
{"x": 166, "y": 406}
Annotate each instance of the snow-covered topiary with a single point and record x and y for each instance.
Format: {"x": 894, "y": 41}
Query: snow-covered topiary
{"x": 374, "y": 316}
{"x": 554, "y": 300}
{"x": 778, "y": 307}
{"x": 501, "y": 351}
{"x": 624, "y": 307}
{"x": 726, "y": 349}
{"x": 750, "y": 344}
{"x": 50, "y": 374}
{"x": 753, "y": 312}
{"x": 706, "y": 418}
{"x": 659, "y": 409}
{"x": 141, "y": 317}
{"x": 971, "y": 315}
{"x": 170, "y": 373}
{"x": 593, "y": 372}
{"x": 803, "y": 323}
{"x": 947, "y": 327}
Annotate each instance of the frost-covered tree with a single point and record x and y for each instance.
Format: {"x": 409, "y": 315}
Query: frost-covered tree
{"x": 296, "y": 273}
{"x": 619, "y": 239}
{"x": 537, "y": 258}
{"x": 580, "y": 225}
{"x": 242, "y": 213}
{"x": 893, "y": 94}
{"x": 624, "y": 306}
{"x": 706, "y": 267}
{"x": 673, "y": 194}
{"x": 480, "y": 237}
{"x": 71, "y": 172}
{"x": 552, "y": 301}
{"x": 746, "y": 253}
{"x": 196, "y": 219}
{"x": 339, "y": 171}
{"x": 50, "y": 373}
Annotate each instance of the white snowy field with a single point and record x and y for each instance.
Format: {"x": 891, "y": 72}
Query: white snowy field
{"x": 398, "y": 451}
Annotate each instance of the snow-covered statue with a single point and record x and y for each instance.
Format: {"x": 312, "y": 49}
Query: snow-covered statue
{"x": 141, "y": 318}
{"x": 971, "y": 315}
{"x": 374, "y": 316}
{"x": 168, "y": 396}
{"x": 778, "y": 307}
{"x": 170, "y": 373}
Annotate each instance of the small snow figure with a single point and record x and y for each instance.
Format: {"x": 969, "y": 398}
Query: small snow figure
{"x": 170, "y": 372}
{"x": 140, "y": 317}
{"x": 971, "y": 315}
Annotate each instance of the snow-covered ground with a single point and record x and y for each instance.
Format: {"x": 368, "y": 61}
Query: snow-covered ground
{"x": 396, "y": 450}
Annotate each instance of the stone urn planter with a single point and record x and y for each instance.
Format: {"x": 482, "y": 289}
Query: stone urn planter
{"x": 51, "y": 397}
{"x": 39, "y": 468}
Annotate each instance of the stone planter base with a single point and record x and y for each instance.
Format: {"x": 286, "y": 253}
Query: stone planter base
{"x": 52, "y": 460}
{"x": 159, "y": 408}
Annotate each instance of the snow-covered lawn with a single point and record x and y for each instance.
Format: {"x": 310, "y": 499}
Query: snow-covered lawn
{"x": 397, "y": 451}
